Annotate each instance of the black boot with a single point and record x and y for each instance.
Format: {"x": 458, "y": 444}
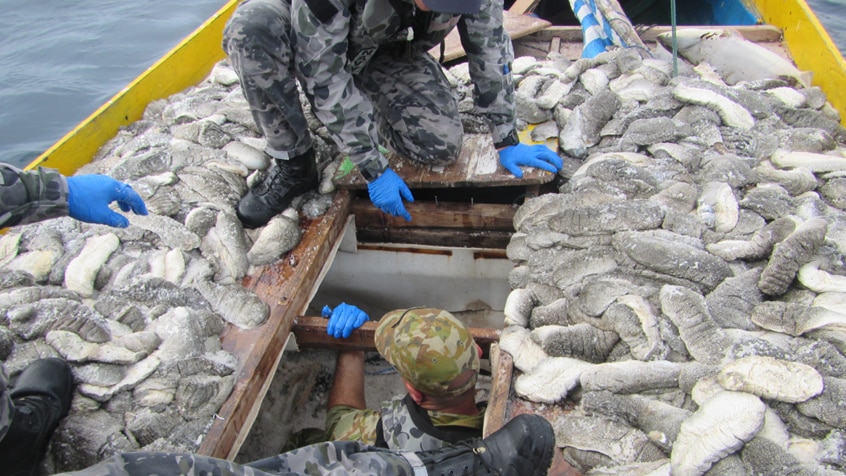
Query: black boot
{"x": 42, "y": 397}
{"x": 522, "y": 447}
{"x": 285, "y": 180}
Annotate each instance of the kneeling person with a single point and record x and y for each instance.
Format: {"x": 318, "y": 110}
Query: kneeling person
{"x": 438, "y": 360}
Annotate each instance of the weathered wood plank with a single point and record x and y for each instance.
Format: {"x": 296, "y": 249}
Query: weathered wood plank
{"x": 523, "y": 6}
{"x": 516, "y": 24}
{"x": 284, "y": 286}
{"x": 310, "y": 331}
{"x": 485, "y": 216}
{"x": 567, "y": 40}
{"x": 429, "y": 237}
{"x": 501, "y": 365}
{"x": 477, "y": 166}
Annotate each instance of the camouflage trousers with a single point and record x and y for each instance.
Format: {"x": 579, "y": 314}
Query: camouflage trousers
{"x": 7, "y": 408}
{"x": 413, "y": 104}
{"x": 339, "y": 458}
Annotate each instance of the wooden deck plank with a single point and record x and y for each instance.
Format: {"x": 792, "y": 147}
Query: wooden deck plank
{"x": 523, "y": 6}
{"x": 471, "y": 225}
{"x": 516, "y": 24}
{"x": 285, "y": 287}
{"x": 567, "y": 40}
{"x": 428, "y": 237}
{"x": 482, "y": 216}
{"x": 476, "y": 166}
{"x": 310, "y": 331}
{"x": 495, "y": 414}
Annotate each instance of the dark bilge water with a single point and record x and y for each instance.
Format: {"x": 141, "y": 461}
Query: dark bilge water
{"x": 60, "y": 60}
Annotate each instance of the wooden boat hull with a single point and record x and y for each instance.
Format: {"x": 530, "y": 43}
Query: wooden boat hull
{"x": 185, "y": 65}
{"x": 282, "y": 286}
{"x": 193, "y": 58}
{"x": 810, "y": 46}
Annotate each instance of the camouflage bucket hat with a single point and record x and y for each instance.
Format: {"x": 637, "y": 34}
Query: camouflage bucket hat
{"x": 429, "y": 347}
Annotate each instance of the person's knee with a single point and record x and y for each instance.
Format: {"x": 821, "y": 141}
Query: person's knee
{"x": 438, "y": 147}
{"x": 252, "y": 28}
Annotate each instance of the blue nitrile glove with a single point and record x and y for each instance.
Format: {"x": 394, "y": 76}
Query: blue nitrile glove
{"x": 387, "y": 193}
{"x": 538, "y": 156}
{"x": 89, "y": 197}
{"x": 343, "y": 319}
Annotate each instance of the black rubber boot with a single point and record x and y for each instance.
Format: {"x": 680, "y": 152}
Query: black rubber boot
{"x": 42, "y": 396}
{"x": 524, "y": 446}
{"x": 285, "y": 180}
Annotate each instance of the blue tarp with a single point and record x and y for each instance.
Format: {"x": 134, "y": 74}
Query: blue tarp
{"x": 596, "y": 30}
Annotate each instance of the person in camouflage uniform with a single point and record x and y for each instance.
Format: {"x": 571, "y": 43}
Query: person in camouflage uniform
{"x": 524, "y": 446}
{"x": 365, "y": 69}
{"x": 438, "y": 360}
{"x": 41, "y": 397}
{"x": 41, "y": 194}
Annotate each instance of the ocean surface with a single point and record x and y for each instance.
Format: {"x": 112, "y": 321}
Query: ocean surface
{"x": 60, "y": 60}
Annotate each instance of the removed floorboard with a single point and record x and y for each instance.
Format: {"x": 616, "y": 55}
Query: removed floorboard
{"x": 285, "y": 287}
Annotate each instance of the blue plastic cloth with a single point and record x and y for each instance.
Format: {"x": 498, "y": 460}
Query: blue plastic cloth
{"x": 596, "y": 30}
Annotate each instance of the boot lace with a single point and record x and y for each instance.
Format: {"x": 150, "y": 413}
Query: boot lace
{"x": 275, "y": 177}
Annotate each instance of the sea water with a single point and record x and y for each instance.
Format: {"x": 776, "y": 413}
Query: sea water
{"x": 60, "y": 60}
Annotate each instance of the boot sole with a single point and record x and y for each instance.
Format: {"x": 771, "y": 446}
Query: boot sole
{"x": 545, "y": 433}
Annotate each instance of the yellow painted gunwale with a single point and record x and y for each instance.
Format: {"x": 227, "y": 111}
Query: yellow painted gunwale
{"x": 192, "y": 59}
{"x": 185, "y": 65}
{"x": 810, "y": 46}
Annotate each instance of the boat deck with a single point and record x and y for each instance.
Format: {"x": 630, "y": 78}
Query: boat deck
{"x": 288, "y": 285}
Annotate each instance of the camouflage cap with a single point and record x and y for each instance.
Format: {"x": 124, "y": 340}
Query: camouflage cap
{"x": 429, "y": 347}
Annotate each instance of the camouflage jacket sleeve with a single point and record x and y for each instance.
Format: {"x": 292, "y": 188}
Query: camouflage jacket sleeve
{"x": 323, "y": 69}
{"x": 345, "y": 423}
{"x": 489, "y": 56}
{"x": 31, "y": 196}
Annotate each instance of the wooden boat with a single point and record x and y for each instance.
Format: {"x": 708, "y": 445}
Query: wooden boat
{"x": 790, "y": 28}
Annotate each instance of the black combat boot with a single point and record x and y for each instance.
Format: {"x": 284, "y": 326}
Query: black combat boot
{"x": 523, "y": 447}
{"x": 42, "y": 397}
{"x": 285, "y": 180}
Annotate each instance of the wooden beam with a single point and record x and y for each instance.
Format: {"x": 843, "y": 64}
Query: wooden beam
{"x": 482, "y": 216}
{"x": 516, "y": 24}
{"x": 284, "y": 286}
{"x": 495, "y": 414}
{"x": 476, "y": 166}
{"x": 421, "y": 236}
{"x": 754, "y": 33}
{"x": 520, "y": 7}
{"x": 311, "y": 332}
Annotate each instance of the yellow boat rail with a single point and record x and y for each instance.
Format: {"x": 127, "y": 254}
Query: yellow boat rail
{"x": 185, "y": 65}
{"x": 194, "y": 57}
{"x": 810, "y": 46}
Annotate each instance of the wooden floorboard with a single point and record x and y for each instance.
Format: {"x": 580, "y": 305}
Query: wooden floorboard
{"x": 516, "y": 25}
{"x": 476, "y": 166}
{"x": 310, "y": 331}
{"x": 285, "y": 286}
{"x": 480, "y": 216}
{"x": 501, "y": 367}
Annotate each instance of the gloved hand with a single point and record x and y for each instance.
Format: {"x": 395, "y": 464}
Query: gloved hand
{"x": 89, "y": 197}
{"x": 387, "y": 193}
{"x": 538, "y": 155}
{"x": 343, "y": 319}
